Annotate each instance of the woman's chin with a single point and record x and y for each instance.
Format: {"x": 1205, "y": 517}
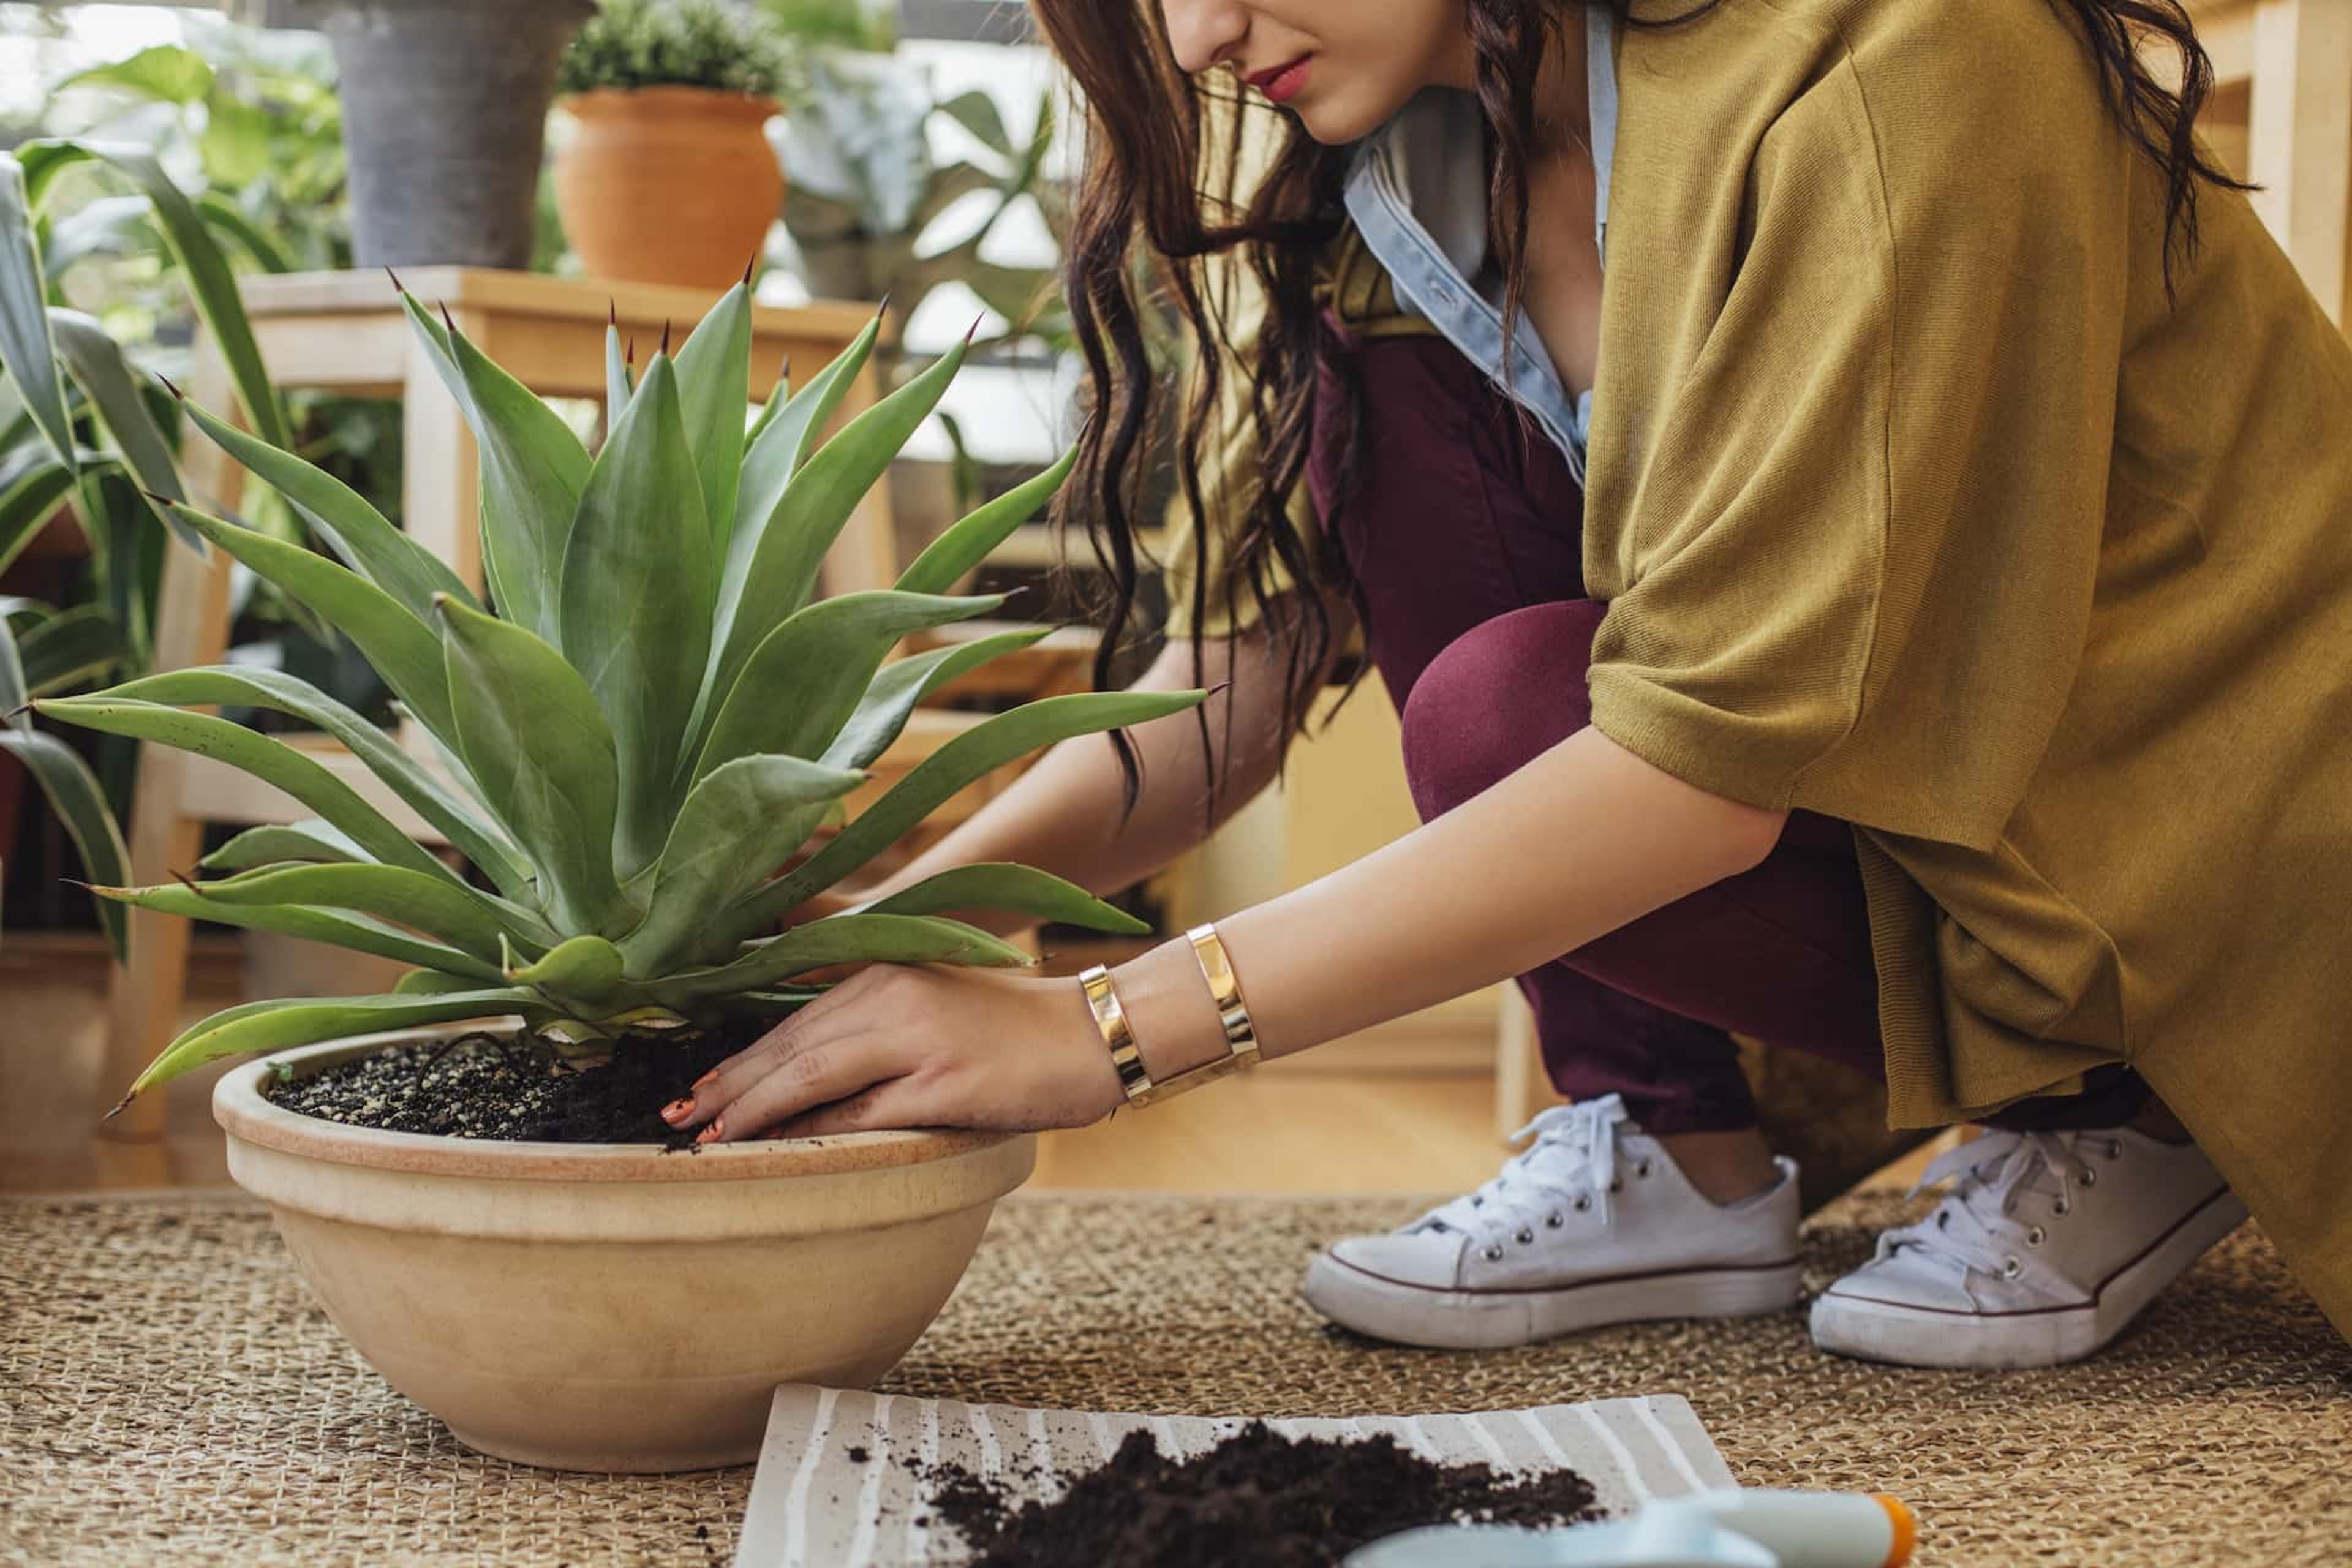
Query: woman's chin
{"x": 1337, "y": 121}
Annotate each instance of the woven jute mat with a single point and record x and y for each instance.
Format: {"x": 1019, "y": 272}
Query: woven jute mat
{"x": 169, "y": 1392}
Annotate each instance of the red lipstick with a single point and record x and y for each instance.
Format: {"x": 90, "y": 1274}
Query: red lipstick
{"x": 1283, "y": 82}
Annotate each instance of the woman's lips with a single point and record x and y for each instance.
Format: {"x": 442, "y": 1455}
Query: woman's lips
{"x": 1283, "y": 82}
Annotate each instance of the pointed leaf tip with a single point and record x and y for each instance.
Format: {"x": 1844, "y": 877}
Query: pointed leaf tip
{"x": 120, "y": 1106}
{"x": 974, "y": 331}
{"x": 630, "y": 356}
{"x": 612, "y": 313}
{"x": 665, "y": 343}
{"x": 445, "y": 317}
{"x": 186, "y": 881}
{"x": 883, "y": 308}
{"x": 397, "y": 286}
{"x": 755, "y": 261}
{"x": 14, "y": 713}
{"x": 174, "y": 391}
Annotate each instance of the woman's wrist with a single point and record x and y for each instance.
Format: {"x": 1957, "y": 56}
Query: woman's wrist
{"x": 1170, "y": 1008}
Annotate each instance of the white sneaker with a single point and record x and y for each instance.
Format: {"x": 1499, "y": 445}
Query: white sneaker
{"x": 2047, "y": 1247}
{"x": 1594, "y": 1223}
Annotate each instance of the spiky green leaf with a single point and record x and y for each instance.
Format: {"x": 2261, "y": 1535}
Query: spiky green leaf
{"x": 359, "y": 933}
{"x": 970, "y": 755}
{"x": 312, "y": 842}
{"x": 584, "y": 970}
{"x": 303, "y": 1021}
{"x": 714, "y": 375}
{"x": 890, "y": 699}
{"x": 530, "y": 734}
{"x": 637, "y": 594}
{"x": 1002, "y": 885}
{"x": 269, "y": 760}
{"x": 772, "y": 576}
{"x": 26, "y": 353}
{"x": 366, "y": 539}
{"x": 842, "y": 939}
{"x": 403, "y": 648}
{"x": 967, "y": 543}
{"x": 803, "y": 683}
{"x": 70, "y": 648}
{"x": 99, "y": 367}
{"x": 251, "y": 686}
{"x": 737, "y": 827}
{"x": 447, "y": 911}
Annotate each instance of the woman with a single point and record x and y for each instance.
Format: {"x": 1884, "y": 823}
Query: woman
{"x": 1951, "y": 669}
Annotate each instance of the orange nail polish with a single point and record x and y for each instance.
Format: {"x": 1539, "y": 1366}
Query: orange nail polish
{"x": 677, "y": 1109}
{"x": 715, "y": 1129}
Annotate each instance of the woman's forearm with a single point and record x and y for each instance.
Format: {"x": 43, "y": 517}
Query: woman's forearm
{"x": 1062, "y": 815}
{"x": 1585, "y": 838}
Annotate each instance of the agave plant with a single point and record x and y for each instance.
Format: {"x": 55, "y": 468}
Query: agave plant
{"x": 648, "y": 718}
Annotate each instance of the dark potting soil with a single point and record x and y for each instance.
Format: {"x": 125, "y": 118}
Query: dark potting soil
{"x": 1258, "y": 1498}
{"x": 517, "y": 1087}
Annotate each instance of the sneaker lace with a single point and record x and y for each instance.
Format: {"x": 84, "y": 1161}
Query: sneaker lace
{"x": 1973, "y": 1228}
{"x": 1572, "y": 1158}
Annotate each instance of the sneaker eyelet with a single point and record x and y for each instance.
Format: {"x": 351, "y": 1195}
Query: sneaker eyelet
{"x": 1616, "y": 1184}
{"x": 2011, "y": 1268}
{"x": 1493, "y": 1253}
{"x": 1555, "y": 1219}
{"x": 2087, "y": 1177}
{"x": 1526, "y": 1238}
{"x": 2036, "y": 1236}
{"x": 1642, "y": 1170}
{"x": 1583, "y": 1202}
{"x": 2059, "y": 1206}
{"x": 2114, "y": 1148}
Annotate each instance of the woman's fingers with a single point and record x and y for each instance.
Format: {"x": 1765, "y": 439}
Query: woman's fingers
{"x": 837, "y": 1069}
{"x": 885, "y": 1105}
{"x": 716, "y": 1089}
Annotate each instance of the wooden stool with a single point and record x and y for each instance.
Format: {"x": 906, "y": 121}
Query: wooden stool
{"x": 346, "y": 332}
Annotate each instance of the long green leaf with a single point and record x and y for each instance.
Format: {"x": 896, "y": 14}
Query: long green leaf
{"x": 842, "y": 939}
{"x": 955, "y": 764}
{"x": 969, "y": 542}
{"x": 449, "y": 911}
{"x": 97, "y": 363}
{"x": 769, "y": 411}
{"x": 583, "y": 971}
{"x": 269, "y": 760}
{"x": 68, "y": 649}
{"x": 772, "y": 577}
{"x": 805, "y": 680}
{"x": 26, "y": 504}
{"x": 313, "y": 842}
{"x": 367, "y": 541}
{"x": 882, "y": 713}
{"x": 251, "y": 686}
{"x": 530, "y": 734}
{"x": 1002, "y": 885}
{"x": 737, "y": 827}
{"x": 79, "y": 802}
{"x": 304, "y": 1021}
{"x": 533, "y": 470}
{"x": 224, "y": 215}
{"x": 311, "y": 923}
{"x": 617, "y": 380}
{"x": 637, "y": 594}
{"x": 210, "y": 282}
{"x": 26, "y": 353}
{"x": 402, "y": 648}
{"x": 714, "y": 375}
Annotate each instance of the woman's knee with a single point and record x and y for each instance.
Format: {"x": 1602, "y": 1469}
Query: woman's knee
{"x": 1497, "y": 697}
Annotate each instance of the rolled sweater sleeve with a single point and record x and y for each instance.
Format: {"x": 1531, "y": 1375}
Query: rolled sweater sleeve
{"x": 1853, "y": 574}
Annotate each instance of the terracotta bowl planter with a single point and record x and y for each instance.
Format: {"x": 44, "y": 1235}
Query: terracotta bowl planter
{"x": 667, "y": 184}
{"x": 611, "y": 1307}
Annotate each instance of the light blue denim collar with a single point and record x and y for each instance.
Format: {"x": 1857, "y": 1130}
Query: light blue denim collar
{"x": 1417, "y": 193}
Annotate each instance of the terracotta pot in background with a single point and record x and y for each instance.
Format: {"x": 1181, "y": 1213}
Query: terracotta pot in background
{"x": 609, "y": 1306}
{"x": 667, "y": 184}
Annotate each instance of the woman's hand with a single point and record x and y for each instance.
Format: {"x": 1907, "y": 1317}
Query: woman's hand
{"x": 914, "y": 1046}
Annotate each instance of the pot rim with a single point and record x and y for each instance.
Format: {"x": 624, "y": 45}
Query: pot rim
{"x": 244, "y": 1113}
{"x": 719, "y": 102}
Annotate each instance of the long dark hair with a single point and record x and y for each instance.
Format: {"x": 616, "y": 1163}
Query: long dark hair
{"x": 1159, "y": 195}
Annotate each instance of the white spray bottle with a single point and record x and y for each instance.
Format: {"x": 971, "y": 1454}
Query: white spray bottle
{"x": 1729, "y": 1527}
